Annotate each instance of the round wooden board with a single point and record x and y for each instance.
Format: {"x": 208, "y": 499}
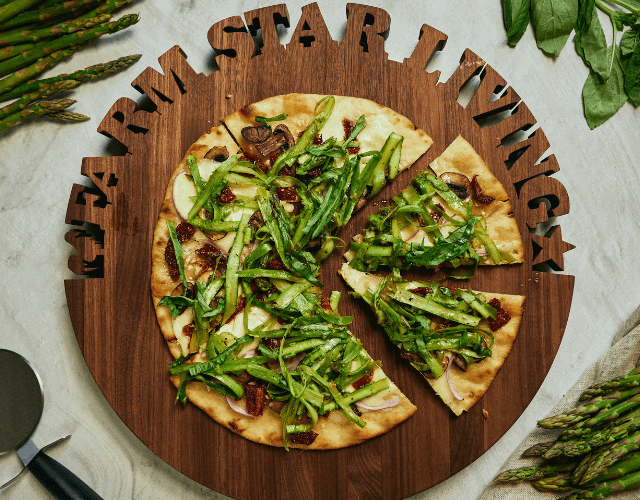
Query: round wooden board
{"x": 112, "y": 313}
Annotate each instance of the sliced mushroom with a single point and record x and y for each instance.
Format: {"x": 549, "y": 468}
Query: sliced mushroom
{"x": 459, "y": 361}
{"x": 283, "y": 129}
{"x": 272, "y": 145}
{"x": 179, "y": 290}
{"x": 204, "y": 278}
{"x": 257, "y": 133}
{"x": 217, "y": 153}
{"x": 256, "y": 220}
{"x": 458, "y": 183}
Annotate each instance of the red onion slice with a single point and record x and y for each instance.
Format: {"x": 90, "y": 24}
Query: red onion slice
{"x": 387, "y": 403}
{"x": 451, "y": 388}
{"x": 234, "y": 406}
{"x": 250, "y": 353}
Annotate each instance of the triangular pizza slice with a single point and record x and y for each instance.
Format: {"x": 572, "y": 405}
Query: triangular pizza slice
{"x": 330, "y": 130}
{"x": 454, "y": 214}
{"x": 457, "y": 339}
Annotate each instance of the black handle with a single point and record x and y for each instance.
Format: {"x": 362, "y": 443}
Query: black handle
{"x": 60, "y": 481}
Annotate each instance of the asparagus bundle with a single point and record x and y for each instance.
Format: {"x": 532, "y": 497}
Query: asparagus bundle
{"x": 37, "y": 34}
{"x": 598, "y": 453}
{"x": 39, "y": 109}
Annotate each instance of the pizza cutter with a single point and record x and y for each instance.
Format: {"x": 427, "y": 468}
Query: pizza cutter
{"x": 21, "y": 404}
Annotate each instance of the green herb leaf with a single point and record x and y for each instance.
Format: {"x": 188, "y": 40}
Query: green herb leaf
{"x": 629, "y": 41}
{"x": 553, "y": 21}
{"x": 602, "y": 99}
{"x": 265, "y": 121}
{"x": 632, "y": 77}
{"x": 520, "y": 22}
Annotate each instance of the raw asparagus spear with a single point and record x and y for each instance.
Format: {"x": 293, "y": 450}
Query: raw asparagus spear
{"x": 582, "y": 412}
{"x": 619, "y": 383}
{"x": 46, "y": 48}
{"x": 604, "y": 416}
{"x": 537, "y": 450}
{"x": 27, "y": 99}
{"x": 14, "y": 8}
{"x": 34, "y": 69}
{"x": 45, "y": 14}
{"x": 38, "y": 109}
{"x": 631, "y": 463}
{"x": 610, "y": 456}
{"x": 67, "y": 116}
{"x": 610, "y": 487}
{"x": 555, "y": 484}
{"x": 534, "y": 473}
{"x": 89, "y": 73}
{"x": 28, "y": 36}
{"x": 106, "y": 8}
{"x": 601, "y": 437}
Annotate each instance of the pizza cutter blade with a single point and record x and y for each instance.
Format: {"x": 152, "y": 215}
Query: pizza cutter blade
{"x": 21, "y": 404}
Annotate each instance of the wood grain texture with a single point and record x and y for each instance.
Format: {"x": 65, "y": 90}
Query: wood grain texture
{"x": 112, "y": 313}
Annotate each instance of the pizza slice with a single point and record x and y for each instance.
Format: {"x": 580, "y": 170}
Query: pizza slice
{"x": 457, "y": 339}
{"x": 315, "y": 134}
{"x": 454, "y": 214}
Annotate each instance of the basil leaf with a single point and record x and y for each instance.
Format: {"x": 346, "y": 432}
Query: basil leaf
{"x": 520, "y": 23}
{"x": 553, "y": 21}
{"x": 632, "y": 77}
{"x": 593, "y": 46}
{"x": 603, "y": 98}
{"x": 265, "y": 121}
{"x": 175, "y": 303}
{"x": 629, "y": 41}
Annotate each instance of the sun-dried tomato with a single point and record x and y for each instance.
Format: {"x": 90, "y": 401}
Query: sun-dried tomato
{"x": 325, "y": 304}
{"x": 255, "y": 395}
{"x": 421, "y": 290}
{"x": 275, "y": 156}
{"x": 184, "y": 231}
{"x": 226, "y": 196}
{"x": 272, "y": 343}
{"x": 287, "y": 194}
{"x": 305, "y": 438}
{"x": 172, "y": 262}
{"x": 348, "y": 128}
{"x": 276, "y": 264}
{"x": 211, "y": 255}
{"x": 481, "y": 198}
{"x": 364, "y": 380}
{"x": 502, "y": 316}
{"x": 436, "y": 216}
{"x": 287, "y": 170}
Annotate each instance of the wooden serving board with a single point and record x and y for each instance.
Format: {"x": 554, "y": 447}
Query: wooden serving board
{"x": 112, "y": 312}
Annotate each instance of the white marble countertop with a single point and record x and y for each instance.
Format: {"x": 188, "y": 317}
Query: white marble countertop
{"x": 40, "y": 161}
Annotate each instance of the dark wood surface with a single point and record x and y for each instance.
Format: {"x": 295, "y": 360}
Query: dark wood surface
{"x": 111, "y": 309}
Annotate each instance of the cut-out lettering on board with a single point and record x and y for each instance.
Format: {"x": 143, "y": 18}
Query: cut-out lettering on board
{"x": 239, "y": 40}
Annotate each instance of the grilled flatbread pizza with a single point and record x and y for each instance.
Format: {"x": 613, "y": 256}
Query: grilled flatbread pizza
{"x": 457, "y": 339}
{"x": 454, "y": 214}
{"x": 235, "y": 259}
